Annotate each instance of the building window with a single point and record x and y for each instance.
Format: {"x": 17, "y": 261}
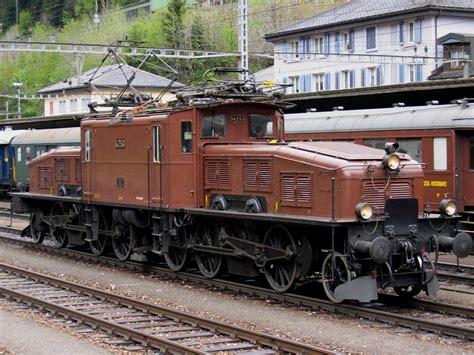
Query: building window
{"x": 295, "y": 82}
{"x": 294, "y": 49}
{"x": 370, "y": 38}
{"x": 372, "y": 76}
{"x": 440, "y": 153}
{"x": 345, "y": 41}
{"x": 411, "y": 73}
{"x": 318, "y": 82}
{"x": 345, "y": 84}
{"x": 318, "y": 45}
{"x": 411, "y": 32}
{"x": 62, "y": 106}
{"x": 401, "y": 33}
{"x": 84, "y": 103}
{"x": 156, "y": 144}
{"x": 51, "y": 108}
{"x": 186, "y": 137}
{"x": 457, "y": 58}
{"x": 73, "y": 105}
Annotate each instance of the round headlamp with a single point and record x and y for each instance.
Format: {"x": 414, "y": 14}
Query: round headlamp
{"x": 391, "y": 162}
{"x": 364, "y": 211}
{"x": 448, "y": 207}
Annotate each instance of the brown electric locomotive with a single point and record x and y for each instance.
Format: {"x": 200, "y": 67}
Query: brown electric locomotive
{"x": 214, "y": 182}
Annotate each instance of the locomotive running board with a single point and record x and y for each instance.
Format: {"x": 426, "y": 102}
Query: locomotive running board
{"x": 362, "y": 289}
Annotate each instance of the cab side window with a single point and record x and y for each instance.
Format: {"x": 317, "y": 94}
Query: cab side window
{"x": 186, "y": 137}
{"x": 156, "y": 145}
{"x": 87, "y": 139}
{"x": 213, "y": 126}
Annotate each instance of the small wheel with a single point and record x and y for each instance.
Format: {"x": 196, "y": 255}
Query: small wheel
{"x": 281, "y": 273}
{"x": 209, "y": 264}
{"x": 253, "y": 205}
{"x": 58, "y": 234}
{"x": 36, "y": 235}
{"x": 407, "y": 292}
{"x": 123, "y": 241}
{"x": 219, "y": 203}
{"x": 176, "y": 256}
{"x": 98, "y": 246}
{"x": 334, "y": 274}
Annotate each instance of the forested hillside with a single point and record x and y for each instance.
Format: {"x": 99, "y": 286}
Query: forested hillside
{"x": 174, "y": 26}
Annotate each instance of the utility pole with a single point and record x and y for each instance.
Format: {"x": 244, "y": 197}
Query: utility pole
{"x": 7, "y": 109}
{"x": 18, "y": 86}
{"x": 243, "y": 37}
{"x": 17, "y": 21}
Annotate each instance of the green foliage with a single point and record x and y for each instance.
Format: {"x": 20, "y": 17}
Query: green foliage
{"x": 173, "y": 29}
{"x": 25, "y": 22}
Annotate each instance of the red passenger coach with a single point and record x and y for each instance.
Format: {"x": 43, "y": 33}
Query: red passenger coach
{"x": 211, "y": 180}
{"x": 441, "y": 137}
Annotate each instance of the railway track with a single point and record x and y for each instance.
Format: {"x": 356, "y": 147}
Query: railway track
{"x": 439, "y": 318}
{"x": 151, "y": 326}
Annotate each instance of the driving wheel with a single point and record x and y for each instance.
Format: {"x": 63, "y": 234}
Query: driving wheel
{"x": 208, "y": 263}
{"x": 280, "y": 273}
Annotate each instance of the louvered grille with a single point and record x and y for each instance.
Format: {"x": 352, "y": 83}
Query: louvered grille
{"x": 217, "y": 174}
{"x": 61, "y": 169}
{"x": 251, "y": 175}
{"x": 376, "y": 192}
{"x": 303, "y": 188}
{"x": 44, "y": 175}
{"x": 288, "y": 189}
{"x": 78, "y": 170}
{"x": 258, "y": 175}
{"x": 296, "y": 189}
{"x": 400, "y": 189}
{"x": 264, "y": 174}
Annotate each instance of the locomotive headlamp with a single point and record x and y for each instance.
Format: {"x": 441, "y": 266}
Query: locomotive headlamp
{"x": 448, "y": 207}
{"x": 364, "y": 211}
{"x": 391, "y": 162}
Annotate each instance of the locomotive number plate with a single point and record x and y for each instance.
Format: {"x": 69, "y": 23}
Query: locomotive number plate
{"x": 238, "y": 119}
{"x": 120, "y": 143}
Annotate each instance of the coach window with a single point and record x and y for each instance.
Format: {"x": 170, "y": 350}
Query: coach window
{"x": 18, "y": 154}
{"x": 87, "y": 139}
{"x": 260, "y": 126}
{"x": 156, "y": 144}
{"x": 440, "y": 153}
{"x": 471, "y": 153}
{"x": 412, "y": 147}
{"x": 186, "y": 137}
{"x": 213, "y": 126}
{"x": 375, "y": 143}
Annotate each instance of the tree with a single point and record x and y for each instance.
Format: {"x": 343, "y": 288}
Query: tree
{"x": 197, "y": 34}
{"x": 173, "y": 29}
{"x": 25, "y": 23}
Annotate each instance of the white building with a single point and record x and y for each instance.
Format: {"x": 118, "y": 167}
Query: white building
{"x": 365, "y": 43}
{"x": 73, "y": 95}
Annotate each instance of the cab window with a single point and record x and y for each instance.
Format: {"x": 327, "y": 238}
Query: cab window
{"x": 213, "y": 126}
{"x": 186, "y": 137}
{"x": 260, "y": 126}
{"x": 156, "y": 144}
{"x": 87, "y": 140}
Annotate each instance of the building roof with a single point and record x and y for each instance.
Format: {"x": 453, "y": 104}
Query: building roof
{"x": 455, "y": 38}
{"x": 361, "y": 10}
{"x": 111, "y": 76}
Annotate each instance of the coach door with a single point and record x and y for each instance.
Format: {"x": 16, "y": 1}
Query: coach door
{"x": 468, "y": 169}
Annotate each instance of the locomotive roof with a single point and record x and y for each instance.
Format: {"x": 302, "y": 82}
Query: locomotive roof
{"x": 395, "y": 118}
{"x": 7, "y": 135}
{"x": 344, "y": 150}
{"x": 49, "y": 136}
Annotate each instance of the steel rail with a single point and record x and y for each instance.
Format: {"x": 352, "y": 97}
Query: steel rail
{"x": 298, "y": 300}
{"x": 254, "y": 337}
